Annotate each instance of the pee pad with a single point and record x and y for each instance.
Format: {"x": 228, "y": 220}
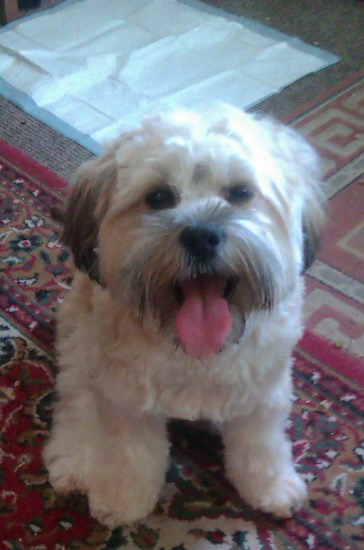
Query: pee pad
{"x": 92, "y": 68}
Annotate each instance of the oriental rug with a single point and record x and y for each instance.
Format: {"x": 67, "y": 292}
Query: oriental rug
{"x": 198, "y": 508}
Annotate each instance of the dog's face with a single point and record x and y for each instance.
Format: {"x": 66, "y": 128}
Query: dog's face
{"x": 198, "y": 220}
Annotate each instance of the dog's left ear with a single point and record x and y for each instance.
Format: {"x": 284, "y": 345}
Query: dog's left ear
{"x": 86, "y": 207}
{"x": 312, "y": 224}
{"x": 302, "y": 169}
{"x": 313, "y": 198}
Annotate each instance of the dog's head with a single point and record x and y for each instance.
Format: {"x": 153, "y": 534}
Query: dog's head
{"x": 197, "y": 220}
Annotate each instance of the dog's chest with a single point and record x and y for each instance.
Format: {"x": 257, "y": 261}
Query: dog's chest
{"x": 146, "y": 374}
{"x": 181, "y": 389}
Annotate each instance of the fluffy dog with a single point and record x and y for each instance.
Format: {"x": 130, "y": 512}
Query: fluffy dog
{"x": 190, "y": 236}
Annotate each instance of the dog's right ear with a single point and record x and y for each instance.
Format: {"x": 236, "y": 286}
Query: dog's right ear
{"x": 87, "y": 205}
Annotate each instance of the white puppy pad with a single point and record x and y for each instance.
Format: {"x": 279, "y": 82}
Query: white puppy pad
{"x": 92, "y": 68}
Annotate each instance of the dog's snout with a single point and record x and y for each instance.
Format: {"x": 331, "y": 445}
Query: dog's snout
{"x": 202, "y": 240}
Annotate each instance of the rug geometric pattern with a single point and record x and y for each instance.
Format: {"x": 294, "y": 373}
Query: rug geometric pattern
{"x": 335, "y": 290}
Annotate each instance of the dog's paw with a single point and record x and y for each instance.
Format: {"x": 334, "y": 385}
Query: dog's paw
{"x": 62, "y": 476}
{"x": 64, "y": 469}
{"x": 115, "y": 506}
{"x": 282, "y": 495}
{"x": 64, "y": 483}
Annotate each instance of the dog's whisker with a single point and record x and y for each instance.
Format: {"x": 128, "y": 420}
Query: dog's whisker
{"x": 142, "y": 308}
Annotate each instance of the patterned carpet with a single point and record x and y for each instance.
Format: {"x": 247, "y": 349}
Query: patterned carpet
{"x": 335, "y": 293}
{"x": 199, "y": 509}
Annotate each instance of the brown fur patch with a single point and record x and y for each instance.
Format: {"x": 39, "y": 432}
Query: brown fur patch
{"x": 86, "y": 207}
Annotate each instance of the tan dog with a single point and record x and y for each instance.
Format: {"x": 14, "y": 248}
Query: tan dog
{"x": 189, "y": 236}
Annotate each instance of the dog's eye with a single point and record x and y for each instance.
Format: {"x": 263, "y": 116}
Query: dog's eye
{"x": 238, "y": 193}
{"x": 161, "y": 197}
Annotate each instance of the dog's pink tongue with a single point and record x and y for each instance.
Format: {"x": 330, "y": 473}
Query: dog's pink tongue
{"x": 204, "y": 320}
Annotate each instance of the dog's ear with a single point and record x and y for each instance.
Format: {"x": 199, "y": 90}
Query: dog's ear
{"x": 87, "y": 205}
{"x": 312, "y": 225}
{"x": 302, "y": 169}
{"x": 312, "y": 192}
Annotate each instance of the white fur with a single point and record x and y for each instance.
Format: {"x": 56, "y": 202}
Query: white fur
{"x": 119, "y": 382}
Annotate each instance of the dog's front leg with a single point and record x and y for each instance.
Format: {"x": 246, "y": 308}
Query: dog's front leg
{"x": 131, "y": 470}
{"x": 118, "y": 459}
{"x": 259, "y": 461}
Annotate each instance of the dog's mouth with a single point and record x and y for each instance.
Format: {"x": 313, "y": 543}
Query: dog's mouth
{"x": 204, "y": 321}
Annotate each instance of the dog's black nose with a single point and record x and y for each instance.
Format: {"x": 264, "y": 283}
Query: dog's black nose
{"x": 202, "y": 240}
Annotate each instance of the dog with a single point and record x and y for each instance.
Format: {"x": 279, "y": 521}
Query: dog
{"x": 190, "y": 235}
